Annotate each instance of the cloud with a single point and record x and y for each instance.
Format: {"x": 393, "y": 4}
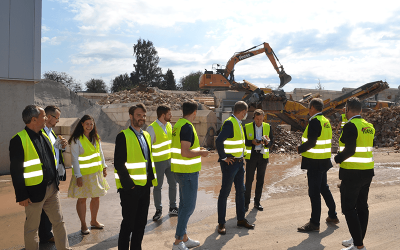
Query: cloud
{"x": 53, "y": 41}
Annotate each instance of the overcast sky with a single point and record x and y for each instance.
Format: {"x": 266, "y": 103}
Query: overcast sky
{"x": 339, "y": 43}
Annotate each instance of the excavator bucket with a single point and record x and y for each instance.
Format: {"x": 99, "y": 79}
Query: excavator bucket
{"x": 285, "y": 78}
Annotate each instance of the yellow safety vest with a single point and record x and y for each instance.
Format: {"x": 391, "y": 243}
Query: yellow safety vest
{"x": 90, "y": 161}
{"x": 362, "y": 158}
{"x": 235, "y": 145}
{"x": 60, "y": 154}
{"x": 344, "y": 120}
{"x": 322, "y": 149}
{"x": 162, "y": 146}
{"x": 180, "y": 164}
{"x": 250, "y": 134}
{"x": 135, "y": 161}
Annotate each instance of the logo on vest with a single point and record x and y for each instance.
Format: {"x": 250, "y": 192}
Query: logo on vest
{"x": 174, "y": 132}
{"x": 367, "y": 130}
{"x": 327, "y": 125}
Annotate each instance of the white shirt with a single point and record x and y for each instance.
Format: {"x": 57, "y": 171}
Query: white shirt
{"x": 150, "y": 130}
{"x": 258, "y": 135}
{"x": 57, "y": 146}
{"x": 76, "y": 150}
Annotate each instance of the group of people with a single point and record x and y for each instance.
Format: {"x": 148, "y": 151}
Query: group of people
{"x": 142, "y": 158}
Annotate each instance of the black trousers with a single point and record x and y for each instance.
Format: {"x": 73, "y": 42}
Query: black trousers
{"x": 354, "y": 200}
{"x": 256, "y": 162}
{"x": 135, "y": 207}
{"x": 45, "y": 228}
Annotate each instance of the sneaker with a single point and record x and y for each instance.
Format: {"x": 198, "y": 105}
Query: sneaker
{"x": 354, "y": 248}
{"x": 308, "y": 227}
{"x": 180, "y": 246}
{"x": 347, "y": 243}
{"x": 158, "y": 214}
{"x": 333, "y": 221}
{"x": 173, "y": 211}
{"x": 191, "y": 243}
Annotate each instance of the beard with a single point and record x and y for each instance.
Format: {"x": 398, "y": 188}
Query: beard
{"x": 168, "y": 120}
{"x": 138, "y": 123}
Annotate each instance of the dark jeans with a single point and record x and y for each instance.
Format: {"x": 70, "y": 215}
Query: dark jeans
{"x": 45, "y": 228}
{"x": 354, "y": 200}
{"x": 233, "y": 173}
{"x": 317, "y": 186}
{"x": 256, "y": 162}
{"x": 135, "y": 207}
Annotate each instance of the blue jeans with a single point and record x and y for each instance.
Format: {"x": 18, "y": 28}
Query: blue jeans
{"x": 231, "y": 174}
{"x": 188, "y": 184}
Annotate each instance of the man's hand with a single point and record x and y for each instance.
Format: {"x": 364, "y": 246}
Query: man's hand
{"x": 229, "y": 160}
{"x": 79, "y": 182}
{"x": 255, "y": 142}
{"x": 63, "y": 141}
{"x": 203, "y": 153}
{"x": 25, "y": 203}
{"x": 104, "y": 172}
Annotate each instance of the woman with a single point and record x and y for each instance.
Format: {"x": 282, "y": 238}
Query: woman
{"x": 89, "y": 170}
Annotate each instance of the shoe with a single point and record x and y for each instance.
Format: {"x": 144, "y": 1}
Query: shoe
{"x": 333, "y": 221}
{"x": 99, "y": 226}
{"x": 308, "y": 227}
{"x": 245, "y": 223}
{"x": 347, "y": 243}
{"x": 84, "y": 232}
{"x": 221, "y": 229}
{"x": 180, "y": 246}
{"x": 246, "y": 208}
{"x": 173, "y": 211}
{"x": 352, "y": 247}
{"x": 258, "y": 207}
{"x": 191, "y": 243}
{"x": 158, "y": 214}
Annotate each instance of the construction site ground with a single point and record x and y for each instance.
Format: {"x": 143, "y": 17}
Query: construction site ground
{"x": 285, "y": 200}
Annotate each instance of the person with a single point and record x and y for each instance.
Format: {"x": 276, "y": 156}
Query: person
{"x": 259, "y": 138}
{"x": 53, "y": 114}
{"x": 230, "y": 144}
{"x": 316, "y": 158}
{"x": 161, "y": 138}
{"x": 342, "y": 122}
{"x": 135, "y": 173}
{"x": 356, "y": 172}
{"x": 35, "y": 179}
{"x": 186, "y": 164}
{"x": 89, "y": 171}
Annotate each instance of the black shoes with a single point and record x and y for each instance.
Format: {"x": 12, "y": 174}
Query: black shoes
{"x": 258, "y": 207}
{"x": 308, "y": 227}
{"x": 173, "y": 211}
{"x": 158, "y": 214}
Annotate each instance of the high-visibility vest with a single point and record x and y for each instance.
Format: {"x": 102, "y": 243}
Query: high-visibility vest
{"x": 90, "y": 161}
{"x": 60, "y": 154}
{"x": 135, "y": 162}
{"x": 162, "y": 145}
{"x": 33, "y": 171}
{"x": 344, "y": 120}
{"x": 235, "y": 145}
{"x": 250, "y": 134}
{"x": 322, "y": 149}
{"x": 362, "y": 158}
{"x": 180, "y": 164}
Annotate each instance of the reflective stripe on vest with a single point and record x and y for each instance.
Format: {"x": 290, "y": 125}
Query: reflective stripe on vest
{"x": 344, "y": 120}
{"x": 322, "y": 149}
{"x": 180, "y": 164}
{"x": 235, "y": 145}
{"x": 363, "y": 157}
{"x": 250, "y": 135}
{"x": 162, "y": 145}
{"x": 90, "y": 161}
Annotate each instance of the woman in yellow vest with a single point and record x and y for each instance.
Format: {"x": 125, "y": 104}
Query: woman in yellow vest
{"x": 89, "y": 170}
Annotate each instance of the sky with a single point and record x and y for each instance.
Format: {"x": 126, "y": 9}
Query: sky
{"x": 343, "y": 43}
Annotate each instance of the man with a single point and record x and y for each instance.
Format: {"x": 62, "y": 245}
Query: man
{"x": 230, "y": 144}
{"x": 161, "y": 137}
{"x": 134, "y": 175}
{"x": 35, "y": 179}
{"x": 342, "y": 122}
{"x": 316, "y": 152}
{"x": 53, "y": 114}
{"x": 356, "y": 172}
{"x": 258, "y": 140}
{"x": 186, "y": 164}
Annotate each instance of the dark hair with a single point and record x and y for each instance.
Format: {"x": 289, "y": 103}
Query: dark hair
{"x": 29, "y": 112}
{"x": 317, "y": 103}
{"x": 51, "y": 110}
{"x": 162, "y": 109}
{"x": 239, "y": 107}
{"x": 354, "y": 104}
{"x": 188, "y": 108}
{"x": 258, "y": 112}
{"x": 137, "y": 106}
{"x": 78, "y": 131}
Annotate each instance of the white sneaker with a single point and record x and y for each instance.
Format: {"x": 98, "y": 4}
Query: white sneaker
{"x": 352, "y": 247}
{"x": 180, "y": 246}
{"x": 347, "y": 243}
{"x": 191, "y": 243}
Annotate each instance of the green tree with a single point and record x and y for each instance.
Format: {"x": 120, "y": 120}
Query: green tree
{"x": 96, "y": 86}
{"x": 146, "y": 67}
{"x": 121, "y": 82}
{"x": 191, "y": 81}
{"x": 168, "y": 81}
{"x": 63, "y": 78}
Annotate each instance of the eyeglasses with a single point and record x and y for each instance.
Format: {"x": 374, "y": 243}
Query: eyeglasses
{"x": 56, "y": 117}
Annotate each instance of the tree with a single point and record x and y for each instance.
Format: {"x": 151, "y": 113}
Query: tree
{"x": 168, "y": 81}
{"x": 191, "y": 81}
{"x": 319, "y": 85}
{"x": 121, "y": 82}
{"x": 96, "y": 86}
{"x": 146, "y": 66}
{"x": 63, "y": 78}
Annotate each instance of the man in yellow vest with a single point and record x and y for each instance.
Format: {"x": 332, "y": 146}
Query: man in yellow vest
{"x": 134, "y": 175}
{"x": 231, "y": 148}
{"x": 35, "y": 178}
{"x": 356, "y": 172}
{"x": 342, "y": 122}
{"x": 186, "y": 164}
{"x": 161, "y": 138}
{"x": 316, "y": 158}
{"x": 258, "y": 140}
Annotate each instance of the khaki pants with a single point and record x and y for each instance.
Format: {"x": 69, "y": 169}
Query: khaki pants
{"x": 51, "y": 205}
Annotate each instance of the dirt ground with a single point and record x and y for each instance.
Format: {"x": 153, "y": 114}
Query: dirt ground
{"x": 286, "y": 207}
